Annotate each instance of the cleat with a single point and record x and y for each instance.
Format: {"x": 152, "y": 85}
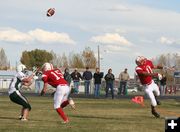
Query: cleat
{"x": 158, "y": 102}
{"x": 71, "y": 103}
{"x": 24, "y": 119}
{"x": 65, "y": 122}
{"x": 157, "y": 115}
{"x": 20, "y": 117}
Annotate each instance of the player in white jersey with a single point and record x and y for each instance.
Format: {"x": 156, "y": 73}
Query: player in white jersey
{"x": 14, "y": 94}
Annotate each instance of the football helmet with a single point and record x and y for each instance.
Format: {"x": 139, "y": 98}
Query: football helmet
{"x": 21, "y": 68}
{"x": 140, "y": 60}
{"x": 47, "y": 67}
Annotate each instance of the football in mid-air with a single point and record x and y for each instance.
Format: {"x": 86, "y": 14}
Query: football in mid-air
{"x": 50, "y": 12}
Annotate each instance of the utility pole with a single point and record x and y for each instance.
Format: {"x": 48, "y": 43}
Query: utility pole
{"x": 98, "y": 57}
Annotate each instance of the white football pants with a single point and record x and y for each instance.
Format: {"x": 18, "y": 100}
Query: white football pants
{"x": 61, "y": 95}
{"x": 152, "y": 90}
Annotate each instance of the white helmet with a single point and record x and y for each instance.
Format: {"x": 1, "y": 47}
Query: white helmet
{"x": 47, "y": 67}
{"x": 140, "y": 60}
{"x": 21, "y": 68}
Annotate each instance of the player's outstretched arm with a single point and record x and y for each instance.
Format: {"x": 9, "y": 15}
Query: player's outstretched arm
{"x": 158, "y": 67}
{"x": 28, "y": 80}
{"x": 148, "y": 74}
{"x": 165, "y": 67}
{"x": 27, "y": 84}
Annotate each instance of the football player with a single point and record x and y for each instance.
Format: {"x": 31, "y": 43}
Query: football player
{"x": 15, "y": 95}
{"x": 145, "y": 74}
{"x": 55, "y": 78}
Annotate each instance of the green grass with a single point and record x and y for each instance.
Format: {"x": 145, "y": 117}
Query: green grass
{"x": 91, "y": 115}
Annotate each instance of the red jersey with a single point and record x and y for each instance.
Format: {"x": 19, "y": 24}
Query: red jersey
{"x": 54, "y": 78}
{"x": 146, "y": 67}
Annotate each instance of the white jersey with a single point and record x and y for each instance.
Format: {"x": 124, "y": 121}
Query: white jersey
{"x": 16, "y": 82}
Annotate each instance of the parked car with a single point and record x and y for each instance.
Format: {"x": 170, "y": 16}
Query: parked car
{"x": 132, "y": 88}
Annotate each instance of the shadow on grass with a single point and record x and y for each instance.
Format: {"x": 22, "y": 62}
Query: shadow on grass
{"x": 8, "y": 118}
{"x": 128, "y": 118}
{"x": 95, "y": 117}
{"x": 36, "y": 120}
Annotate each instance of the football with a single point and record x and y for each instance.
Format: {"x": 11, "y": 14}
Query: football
{"x": 50, "y": 12}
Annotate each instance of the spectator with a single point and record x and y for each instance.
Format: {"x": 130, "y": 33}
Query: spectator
{"x": 109, "y": 77}
{"x": 67, "y": 76}
{"x": 76, "y": 76}
{"x": 123, "y": 77}
{"x": 38, "y": 82}
{"x": 163, "y": 85}
{"x": 87, "y": 76}
{"x": 97, "y": 81}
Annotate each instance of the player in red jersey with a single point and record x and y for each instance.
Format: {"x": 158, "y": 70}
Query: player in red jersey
{"x": 55, "y": 78}
{"x": 145, "y": 74}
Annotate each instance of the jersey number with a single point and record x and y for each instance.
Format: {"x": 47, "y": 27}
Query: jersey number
{"x": 148, "y": 69}
{"x": 57, "y": 75}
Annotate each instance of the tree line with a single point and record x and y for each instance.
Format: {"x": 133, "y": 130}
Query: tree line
{"x": 38, "y": 57}
{"x": 85, "y": 58}
{"x": 4, "y": 63}
{"x": 169, "y": 60}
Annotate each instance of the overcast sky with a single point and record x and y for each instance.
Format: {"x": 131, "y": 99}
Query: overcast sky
{"x": 124, "y": 29}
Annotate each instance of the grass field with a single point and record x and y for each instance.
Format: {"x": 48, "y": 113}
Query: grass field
{"x": 91, "y": 115}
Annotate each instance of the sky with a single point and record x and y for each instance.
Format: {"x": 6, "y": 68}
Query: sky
{"x": 124, "y": 29}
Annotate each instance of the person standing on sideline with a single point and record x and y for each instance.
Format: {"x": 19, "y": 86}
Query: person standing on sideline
{"x": 109, "y": 78}
{"x": 38, "y": 82}
{"x": 145, "y": 73}
{"x": 76, "y": 76}
{"x": 55, "y": 78}
{"x": 67, "y": 76}
{"x": 123, "y": 77}
{"x": 97, "y": 82}
{"x": 15, "y": 95}
{"x": 87, "y": 76}
{"x": 163, "y": 85}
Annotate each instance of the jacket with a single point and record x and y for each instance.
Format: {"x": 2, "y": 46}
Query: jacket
{"x": 109, "y": 78}
{"x": 87, "y": 75}
{"x": 76, "y": 76}
{"x": 98, "y": 77}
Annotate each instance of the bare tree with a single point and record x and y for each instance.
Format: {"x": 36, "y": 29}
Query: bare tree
{"x": 89, "y": 58}
{"x": 162, "y": 60}
{"x": 56, "y": 61}
{"x": 170, "y": 60}
{"x": 76, "y": 60}
{"x": 177, "y": 60}
{"x": 65, "y": 60}
{"x": 4, "y": 65}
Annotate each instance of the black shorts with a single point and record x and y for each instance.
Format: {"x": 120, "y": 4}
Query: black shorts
{"x": 18, "y": 98}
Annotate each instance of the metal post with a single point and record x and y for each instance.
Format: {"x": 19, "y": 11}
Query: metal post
{"x": 98, "y": 57}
